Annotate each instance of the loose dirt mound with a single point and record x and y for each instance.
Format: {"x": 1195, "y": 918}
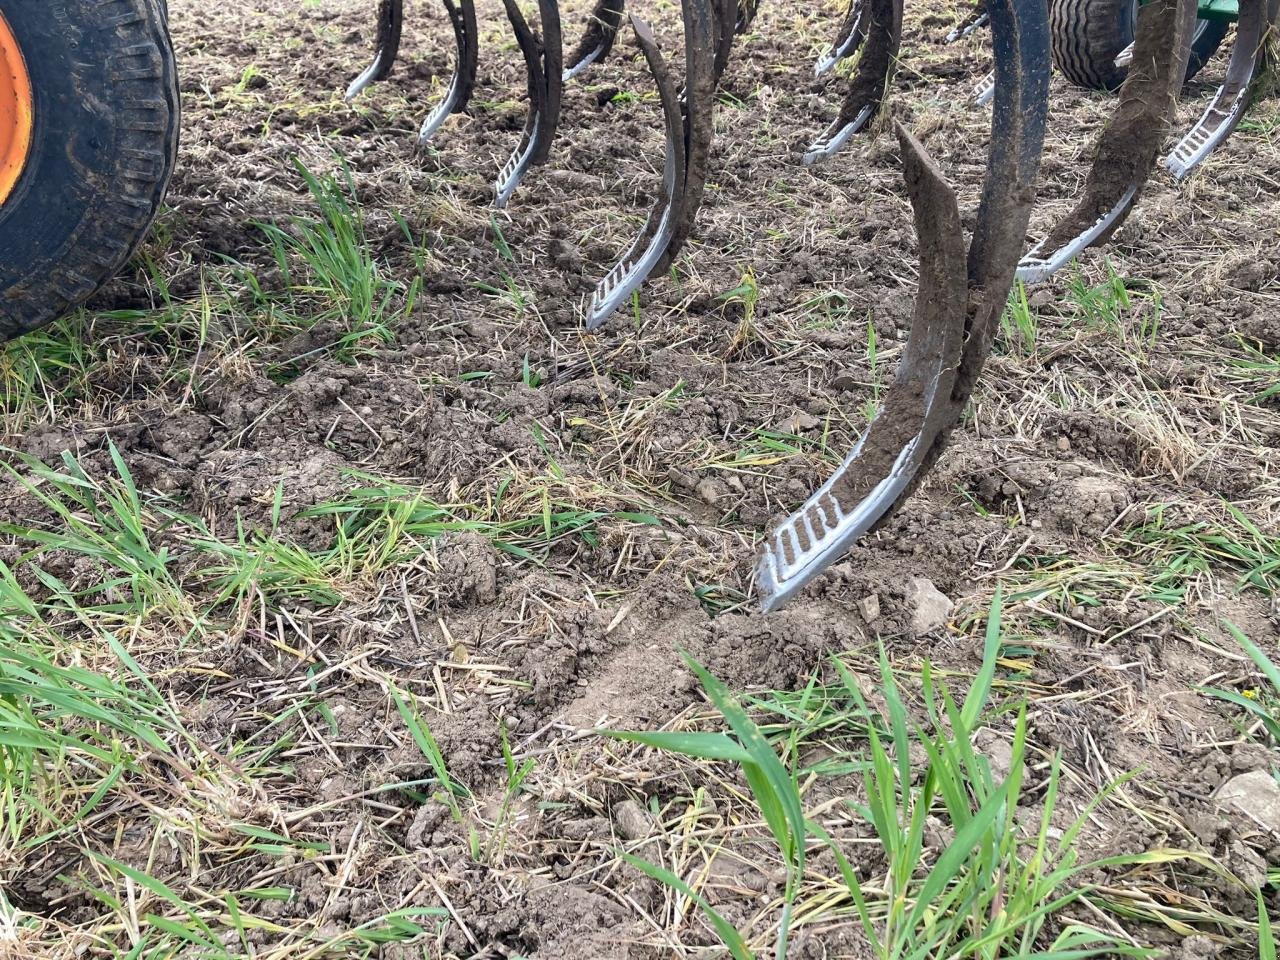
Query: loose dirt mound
{"x": 449, "y": 490}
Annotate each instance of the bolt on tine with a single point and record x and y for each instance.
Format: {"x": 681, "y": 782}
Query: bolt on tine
{"x": 883, "y": 38}
{"x": 387, "y": 47}
{"x": 544, "y": 68}
{"x": 853, "y": 30}
{"x": 466, "y": 35}
{"x": 1128, "y": 147}
{"x": 602, "y": 32}
{"x": 1259, "y": 21}
{"x": 958, "y": 307}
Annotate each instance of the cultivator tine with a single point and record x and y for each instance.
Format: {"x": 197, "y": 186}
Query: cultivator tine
{"x": 602, "y": 33}
{"x": 957, "y": 313}
{"x": 644, "y": 255}
{"x": 1128, "y": 146}
{"x": 882, "y": 25}
{"x": 977, "y": 19}
{"x": 1248, "y": 61}
{"x": 462, "y": 14}
{"x": 544, "y": 66}
{"x": 853, "y": 30}
{"x": 390, "y": 26}
{"x": 884, "y": 464}
{"x": 708, "y": 26}
{"x": 1020, "y": 37}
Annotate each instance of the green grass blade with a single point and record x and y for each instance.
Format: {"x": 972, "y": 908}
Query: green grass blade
{"x": 727, "y": 932}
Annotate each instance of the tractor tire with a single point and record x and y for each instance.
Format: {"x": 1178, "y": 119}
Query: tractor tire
{"x": 103, "y": 137}
{"x": 1088, "y": 35}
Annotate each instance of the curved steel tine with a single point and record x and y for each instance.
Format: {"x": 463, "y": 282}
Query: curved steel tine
{"x": 883, "y": 32}
{"x": 708, "y": 31}
{"x": 648, "y": 249}
{"x": 853, "y": 30}
{"x": 462, "y": 14}
{"x": 390, "y": 26}
{"x": 602, "y": 32}
{"x": 975, "y": 21}
{"x": 1020, "y": 37}
{"x": 886, "y": 460}
{"x": 1127, "y": 149}
{"x": 1248, "y": 59}
{"x": 544, "y": 69}
{"x": 912, "y": 429}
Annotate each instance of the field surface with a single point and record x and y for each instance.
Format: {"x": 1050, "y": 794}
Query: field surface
{"x": 331, "y": 544}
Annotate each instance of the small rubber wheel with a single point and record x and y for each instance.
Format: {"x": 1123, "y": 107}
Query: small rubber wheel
{"x": 1088, "y": 35}
{"x": 88, "y": 137}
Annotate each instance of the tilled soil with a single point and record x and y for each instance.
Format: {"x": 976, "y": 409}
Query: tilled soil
{"x": 686, "y": 426}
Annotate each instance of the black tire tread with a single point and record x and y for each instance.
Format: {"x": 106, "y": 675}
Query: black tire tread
{"x": 1088, "y": 35}
{"x": 140, "y": 59}
{"x": 1086, "y": 38}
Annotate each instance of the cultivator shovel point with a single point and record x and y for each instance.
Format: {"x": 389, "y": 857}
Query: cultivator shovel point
{"x": 708, "y": 29}
{"x": 975, "y": 21}
{"x": 387, "y": 47}
{"x": 601, "y": 34}
{"x": 985, "y": 90}
{"x": 1258, "y": 18}
{"x": 959, "y": 302}
{"x": 543, "y": 59}
{"x": 853, "y": 30}
{"x": 1127, "y": 150}
{"x": 881, "y": 26}
{"x": 466, "y": 35}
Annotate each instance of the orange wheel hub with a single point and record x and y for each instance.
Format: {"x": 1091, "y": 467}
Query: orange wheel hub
{"x": 16, "y": 109}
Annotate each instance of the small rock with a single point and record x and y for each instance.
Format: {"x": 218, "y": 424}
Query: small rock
{"x": 869, "y": 607}
{"x": 1197, "y": 948}
{"x": 931, "y": 608}
{"x": 800, "y": 422}
{"x": 632, "y": 820}
{"x": 1252, "y": 800}
{"x": 997, "y": 750}
{"x": 937, "y": 834}
{"x": 708, "y": 491}
{"x": 425, "y": 823}
{"x": 845, "y": 382}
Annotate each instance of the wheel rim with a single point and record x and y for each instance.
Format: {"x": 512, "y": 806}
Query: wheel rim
{"x": 16, "y": 111}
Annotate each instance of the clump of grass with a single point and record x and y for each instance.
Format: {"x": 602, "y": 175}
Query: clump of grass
{"x": 1262, "y": 704}
{"x": 340, "y": 272}
{"x": 107, "y": 521}
{"x": 745, "y": 297}
{"x": 991, "y": 892}
{"x": 1181, "y": 553}
{"x": 1019, "y": 323}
